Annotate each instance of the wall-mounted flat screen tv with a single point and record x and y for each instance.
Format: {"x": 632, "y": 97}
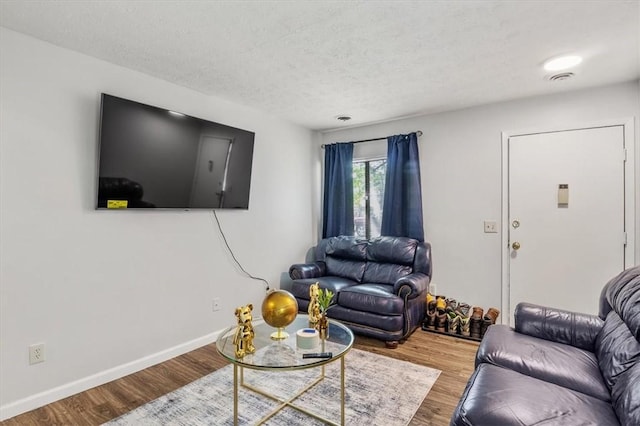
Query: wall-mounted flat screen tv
{"x": 156, "y": 158}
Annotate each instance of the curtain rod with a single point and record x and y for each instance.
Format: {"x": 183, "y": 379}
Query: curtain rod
{"x": 419, "y": 133}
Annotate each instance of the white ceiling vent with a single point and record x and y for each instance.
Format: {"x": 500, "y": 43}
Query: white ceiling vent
{"x": 561, "y": 76}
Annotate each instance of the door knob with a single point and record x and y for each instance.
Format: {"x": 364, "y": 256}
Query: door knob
{"x": 515, "y": 245}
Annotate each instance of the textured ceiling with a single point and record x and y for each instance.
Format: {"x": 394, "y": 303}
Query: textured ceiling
{"x": 309, "y": 61}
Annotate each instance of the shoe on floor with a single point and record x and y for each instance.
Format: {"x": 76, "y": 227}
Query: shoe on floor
{"x": 492, "y": 314}
{"x": 478, "y": 313}
{"x": 465, "y": 326}
{"x": 430, "y": 320}
{"x": 463, "y": 309}
{"x": 486, "y": 323}
{"x": 431, "y": 303}
{"x": 441, "y": 321}
{"x": 453, "y": 323}
{"x": 441, "y": 303}
{"x": 475, "y": 327}
{"x": 451, "y": 305}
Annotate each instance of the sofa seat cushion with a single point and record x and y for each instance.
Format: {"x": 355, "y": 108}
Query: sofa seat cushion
{"x": 300, "y": 288}
{"x": 393, "y": 325}
{"x": 552, "y": 362}
{"x": 499, "y": 396}
{"x": 374, "y": 298}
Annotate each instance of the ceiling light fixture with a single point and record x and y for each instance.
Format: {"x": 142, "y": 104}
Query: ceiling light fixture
{"x": 562, "y": 63}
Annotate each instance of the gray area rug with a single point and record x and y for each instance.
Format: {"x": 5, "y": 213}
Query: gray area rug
{"x": 379, "y": 391}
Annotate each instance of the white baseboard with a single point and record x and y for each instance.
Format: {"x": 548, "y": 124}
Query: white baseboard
{"x": 47, "y": 397}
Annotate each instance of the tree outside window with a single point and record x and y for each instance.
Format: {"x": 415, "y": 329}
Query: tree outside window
{"x": 368, "y": 196}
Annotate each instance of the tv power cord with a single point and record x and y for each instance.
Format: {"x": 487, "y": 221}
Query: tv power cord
{"x": 226, "y": 243}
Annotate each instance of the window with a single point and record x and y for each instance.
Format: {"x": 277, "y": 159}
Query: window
{"x": 368, "y": 193}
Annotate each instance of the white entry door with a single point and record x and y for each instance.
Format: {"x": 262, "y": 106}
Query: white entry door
{"x": 566, "y": 220}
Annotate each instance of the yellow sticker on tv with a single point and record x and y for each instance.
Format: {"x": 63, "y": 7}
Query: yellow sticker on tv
{"x": 117, "y": 204}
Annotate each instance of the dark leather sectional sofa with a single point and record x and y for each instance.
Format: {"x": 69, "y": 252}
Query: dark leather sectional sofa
{"x": 380, "y": 285}
{"x": 561, "y": 368}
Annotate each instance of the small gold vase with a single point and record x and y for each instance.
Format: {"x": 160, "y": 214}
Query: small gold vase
{"x": 323, "y": 326}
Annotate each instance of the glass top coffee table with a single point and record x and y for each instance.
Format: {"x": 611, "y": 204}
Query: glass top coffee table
{"x": 283, "y": 355}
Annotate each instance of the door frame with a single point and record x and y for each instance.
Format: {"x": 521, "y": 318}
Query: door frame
{"x": 631, "y": 195}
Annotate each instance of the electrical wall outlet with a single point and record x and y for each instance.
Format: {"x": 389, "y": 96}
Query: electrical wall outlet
{"x": 432, "y": 289}
{"x": 490, "y": 227}
{"x": 216, "y": 304}
{"x": 36, "y": 353}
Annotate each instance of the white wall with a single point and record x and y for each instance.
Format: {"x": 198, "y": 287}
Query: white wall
{"x": 461, "y": 176}
{"x": 112, "y": 292}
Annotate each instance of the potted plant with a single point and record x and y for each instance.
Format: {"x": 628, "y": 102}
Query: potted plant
{"x": 325, "y": 301}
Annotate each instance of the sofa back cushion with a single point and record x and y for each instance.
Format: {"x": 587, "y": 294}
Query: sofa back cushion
{"x": 382, "y": 260}
{"x": 616, "y": 348}
{"x": 618, "y": 343}
{"x": 397, "y": 250}
{"x": 350, "y": 248}
{"x": 345, "y": 268}
{"x": 626, "y": 396}
{"x": 622, "y": 295}
{"x": 345, "y": 257}
{"x": 389, "y": 259}
{"x": 384, "y": 273}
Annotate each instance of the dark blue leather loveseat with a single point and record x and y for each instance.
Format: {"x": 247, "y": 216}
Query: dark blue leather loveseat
{"x": 558, "y": 367}
{"x": 380, "y": 284}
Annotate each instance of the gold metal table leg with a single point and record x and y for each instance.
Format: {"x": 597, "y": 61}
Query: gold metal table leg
{"x": 238, "y": 381}
{"x": 342, "y": 390}
{"x": 235, "y": 395}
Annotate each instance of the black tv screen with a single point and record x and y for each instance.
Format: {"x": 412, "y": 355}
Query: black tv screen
{"x": 156, "y": 158}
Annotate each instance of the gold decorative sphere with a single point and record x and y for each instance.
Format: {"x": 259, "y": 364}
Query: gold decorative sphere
{"x": 279, "y": 308}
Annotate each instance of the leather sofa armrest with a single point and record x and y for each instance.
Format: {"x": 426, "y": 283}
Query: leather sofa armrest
{"x": 557, "y": 325}
{"x": 307, "y": 270}
{"x": 412, "y": 285}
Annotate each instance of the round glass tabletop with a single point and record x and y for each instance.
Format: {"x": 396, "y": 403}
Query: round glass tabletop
{"x": 285, "y": 354}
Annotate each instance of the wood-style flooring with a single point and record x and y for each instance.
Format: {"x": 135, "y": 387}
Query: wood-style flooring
{"x": 453, "y": 356}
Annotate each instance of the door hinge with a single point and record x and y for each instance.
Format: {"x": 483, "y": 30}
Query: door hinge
{"x": 624, "y": 238}
{"x": 624, "y": 155}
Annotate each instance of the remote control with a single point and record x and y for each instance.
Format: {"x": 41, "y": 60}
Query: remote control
{"x": 318, "y": 355}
